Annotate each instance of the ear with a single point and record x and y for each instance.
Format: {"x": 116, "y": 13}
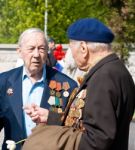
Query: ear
{"x": 19, "y": 52}
{"x": 84, "y": 49}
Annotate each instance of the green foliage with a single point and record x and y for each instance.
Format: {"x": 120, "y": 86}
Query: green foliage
{"x": 66, "y": 12}
{"x": 119, "y": 15}
{"x": 122, "y": 21}
{"x": 16, "y": 16}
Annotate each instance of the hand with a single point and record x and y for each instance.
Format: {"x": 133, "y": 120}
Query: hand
{"x": 37, "y": 114}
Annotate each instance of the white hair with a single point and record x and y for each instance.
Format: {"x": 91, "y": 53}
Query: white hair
{"x": 28, "y": 31}
{"x": 95, "y": 46}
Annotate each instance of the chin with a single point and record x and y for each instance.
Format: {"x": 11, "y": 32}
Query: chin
{"x": 83, "y": 68}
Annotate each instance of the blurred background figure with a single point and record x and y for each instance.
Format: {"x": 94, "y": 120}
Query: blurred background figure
{"x": 70, "y": 67}
{"x": 59, "y": 53}
{"x": 51, "y": 60}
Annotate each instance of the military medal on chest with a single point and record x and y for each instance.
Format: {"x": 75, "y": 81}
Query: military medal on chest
{"x": 55, "y": 99}
{"x": 66, "y": 86}
{"x": 75, "y": 111}
{"x": 52, "y": 86}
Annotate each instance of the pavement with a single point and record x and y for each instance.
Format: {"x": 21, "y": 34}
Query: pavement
{"x": 131, "y": 137}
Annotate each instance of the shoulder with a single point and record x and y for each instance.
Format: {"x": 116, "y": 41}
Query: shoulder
{"x": 7, "y": 74}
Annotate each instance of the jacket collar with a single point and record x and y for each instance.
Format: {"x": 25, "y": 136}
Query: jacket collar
{"x": 105, "y": 60}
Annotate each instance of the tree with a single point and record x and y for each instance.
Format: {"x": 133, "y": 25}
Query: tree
{"x": 16, "y": 16}
{"x": 119, "y": 15}
{"x": 122, "y": 21}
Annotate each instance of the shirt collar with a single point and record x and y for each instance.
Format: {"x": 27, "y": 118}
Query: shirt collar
{"x": 24, "y": 75}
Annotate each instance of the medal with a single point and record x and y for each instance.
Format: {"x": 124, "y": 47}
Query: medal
{"x": 59, "y": 110}
{"x": 52, "y": 84}
{"x": 79, "y": 103}
{"x": 82, "y": 94}
{"x": 52, "y": 92}
{"x": 66, "y": 86}
{"x": 69, "y": 121}
{"x": 58, "y": 94}
{"x": 58, "y": 86}
{"x": 77, "y": 113}
{"x": 51, "y": 100}
{"x": 65, "y": 93}
{"x": 71, "y": 112}
{"x": 80, "y": 80}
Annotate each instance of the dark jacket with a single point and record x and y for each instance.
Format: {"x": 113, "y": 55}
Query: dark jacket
{"x": 109, "y": 106}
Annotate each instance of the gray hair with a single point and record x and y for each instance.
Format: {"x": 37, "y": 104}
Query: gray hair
{"x": 28, "y": 31}
{"x": 95, "y": 46}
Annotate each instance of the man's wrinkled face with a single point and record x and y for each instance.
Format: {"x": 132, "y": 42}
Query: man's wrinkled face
{"x": 33, "y": 51}
{"x": 75, "y": 47}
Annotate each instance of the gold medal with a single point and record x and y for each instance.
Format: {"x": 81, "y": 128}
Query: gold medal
{"x": 71, "y": 112}
{"x": 77, "y": 113}
{"x": 69, "y": 121}
{"x": 79, "y": 103}
{"x": 59, "y": 110}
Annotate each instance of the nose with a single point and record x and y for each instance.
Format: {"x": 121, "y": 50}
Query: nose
{"x": 36, "y": 52}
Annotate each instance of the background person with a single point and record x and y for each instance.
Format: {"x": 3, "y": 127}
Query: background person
{"x": 33, "y": 83}
{"x": 70, "y": 68}
{"x": 51, "y": 60}
{"x": 106, "y": 98}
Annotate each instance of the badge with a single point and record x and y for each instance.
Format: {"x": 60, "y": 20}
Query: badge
{"x": 9, "y": 91}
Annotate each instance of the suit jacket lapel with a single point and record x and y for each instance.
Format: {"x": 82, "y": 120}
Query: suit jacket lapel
{"x": 15, "y": 82}
{"x": 45, "y": 97}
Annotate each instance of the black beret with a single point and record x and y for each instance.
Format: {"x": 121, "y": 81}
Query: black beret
{"x": 90, "y": 29}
